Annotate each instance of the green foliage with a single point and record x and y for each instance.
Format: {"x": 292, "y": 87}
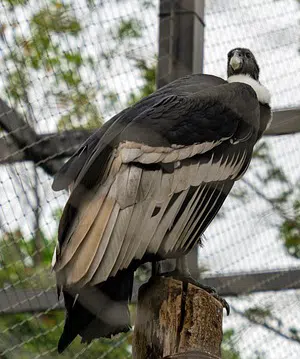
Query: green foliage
{"x": 80, "y": 105}
{"x": 17, "y": 267}
{"x": 38, "y": 334}
{"x": 40, "y": 52}
{"x": 13, "y": 3}
{"x": 32, "y": 334}
{"x": 290, "y": 231}
{"x": 129, "y": 29}
{"x": 229, "y": 350}
{"x": 147, "y": 4}
{"x": 286, "y": 204}
{"x": 55, "y": 18}
{"x": 294, "y": 333}
{"x": 17, "y": 85}
{"x": 148, "y": 74}
{"x": 258, "y": 313}
{"x": 271, "y": 172}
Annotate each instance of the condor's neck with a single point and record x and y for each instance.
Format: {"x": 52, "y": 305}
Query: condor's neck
{"x": 262, "y": 93}
{"x": 263, "y": 96}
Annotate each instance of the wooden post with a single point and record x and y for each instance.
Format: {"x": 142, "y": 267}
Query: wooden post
{"x": 180, "y": 53}
{"x": 176, "y": 319}
{"x": 181, "y": 38}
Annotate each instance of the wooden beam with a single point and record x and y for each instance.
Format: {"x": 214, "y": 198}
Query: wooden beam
{"x": 247, "y": 283}
{"x": 37, "y": 300}
{"x": 285, "y": 122}
{"x": 15, "y": 300}
{"x": 56, "y": 146}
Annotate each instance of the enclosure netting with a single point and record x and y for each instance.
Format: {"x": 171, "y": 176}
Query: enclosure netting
{"x": 71, "y": 65}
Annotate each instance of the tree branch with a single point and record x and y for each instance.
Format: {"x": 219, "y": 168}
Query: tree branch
{"x": 275, "y": 206}
{"x": 265, "y": 325}
{"x": 27, "y": 139}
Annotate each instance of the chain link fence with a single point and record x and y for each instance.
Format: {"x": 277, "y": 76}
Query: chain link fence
{"x": 68, "y": 66}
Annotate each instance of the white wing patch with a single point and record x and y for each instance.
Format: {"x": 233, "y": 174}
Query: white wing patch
{"x": 136, "y": 152}
{"x": 134, "y": 212}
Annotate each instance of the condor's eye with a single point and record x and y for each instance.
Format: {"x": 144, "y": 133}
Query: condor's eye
{"x": 248, "y": 55}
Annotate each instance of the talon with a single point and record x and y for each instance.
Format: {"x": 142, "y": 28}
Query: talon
{"x": 227, "y": 307}
{"x": 223, "y": 302}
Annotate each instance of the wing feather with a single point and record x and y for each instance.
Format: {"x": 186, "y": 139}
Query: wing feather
{"x": 166, "y": 222}
{"x": 104, "y": 242}
{"x": 161, "y": 200}
{"x": 193, "y": 221}
{"x": 106, "y": 264}
{"x": 135, "y": 240}
{"x": 81, "y": 261}
{"x": 169, "y": 241}
{"x": 127, "y": 184}
{"x": 185, "y": 216}
{"x": 136, "y": 216}
{"x": 87, "y": 213}
{"x": 201, "y": 219}
{"x": 146, "y": 206}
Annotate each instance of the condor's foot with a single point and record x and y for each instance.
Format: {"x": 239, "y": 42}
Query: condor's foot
{"x": 183, "y": 274}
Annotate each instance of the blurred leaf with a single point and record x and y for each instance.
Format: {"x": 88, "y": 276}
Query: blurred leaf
{"x": 71, "y": 78}
{"x": 91, "y": 3}
{"x": 290, "y": 234}
{"x": 229, "y": 350}
{"x": 17, "y": 85}
{"x": 239, "y": 194}
{"x": 74, "y": 58}
{"x": 275, "y": 174}
{"x": 56, "y": 18}
{"x": 258, "y": 313}
{"x": 283, "y": 197}
{"x": 112, "y": 97}
{"x": 294, "y": 332}
{"x": 129, "y": 29}
{"x": 148, "y": 75}
{"x": 13, "y": 3}
{"x": 147, "y": 4}
{"x": 261, "y": 151}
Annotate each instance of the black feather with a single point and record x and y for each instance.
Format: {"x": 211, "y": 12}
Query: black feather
{"x": 99, "y": 311}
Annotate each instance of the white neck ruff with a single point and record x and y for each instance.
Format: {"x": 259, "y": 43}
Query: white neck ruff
{"x": 262, "y": 92}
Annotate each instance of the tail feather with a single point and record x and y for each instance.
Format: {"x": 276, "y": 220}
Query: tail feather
{"x": 98, "y": 311}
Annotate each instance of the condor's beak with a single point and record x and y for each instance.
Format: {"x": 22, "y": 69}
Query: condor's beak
{"x": 235, "y": 62}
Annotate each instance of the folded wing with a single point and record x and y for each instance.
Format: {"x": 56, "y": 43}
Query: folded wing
{"x": 159, "y": 184}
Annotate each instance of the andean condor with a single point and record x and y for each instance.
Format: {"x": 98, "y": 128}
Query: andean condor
{"x": 146, "y": 185}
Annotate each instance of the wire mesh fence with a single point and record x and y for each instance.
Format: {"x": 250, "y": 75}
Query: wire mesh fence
{"x": 69, "y": 66}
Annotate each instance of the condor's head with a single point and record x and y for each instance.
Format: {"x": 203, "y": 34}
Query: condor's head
{"x": 241, "y": 61}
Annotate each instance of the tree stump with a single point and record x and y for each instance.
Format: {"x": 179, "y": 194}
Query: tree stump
{"x": 176, "y": 320}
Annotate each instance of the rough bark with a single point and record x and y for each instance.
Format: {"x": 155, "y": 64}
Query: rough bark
{"x": 27, "y": 140}
{"x": 176, "y": 319}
